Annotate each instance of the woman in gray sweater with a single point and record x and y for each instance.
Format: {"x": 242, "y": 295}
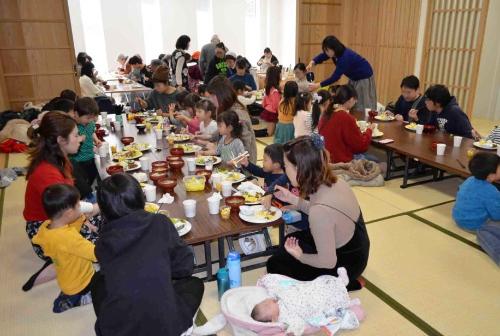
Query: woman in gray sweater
{"x": 337, "y": 236}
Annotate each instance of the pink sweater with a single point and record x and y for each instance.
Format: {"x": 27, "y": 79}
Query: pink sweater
{"x": 271, "y": 102}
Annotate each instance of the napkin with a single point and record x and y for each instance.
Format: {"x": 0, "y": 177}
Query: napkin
{"x": 141, "y": 177}
{"x": 250, "y": 188}
{"x": 166, "y": 199}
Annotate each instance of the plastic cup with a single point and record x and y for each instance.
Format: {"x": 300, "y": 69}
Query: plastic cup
{"x": 217, "y": 181}
{"x": 213, "y": 206}
{"x": 150, "y": 191}
{"x": 189, "y": 208}
{"x": 159, "y": 133}
{"x": 440, "y": 148}
{"x": 191, "y": 163}
{"x": 227, "y": 188}
{"x": 209, "y": 165}
{"x": 104, "y": 150}
{"x": 419, "y": 129}
{"x": 145, "y": 163}
{"x": 457, "y": 140}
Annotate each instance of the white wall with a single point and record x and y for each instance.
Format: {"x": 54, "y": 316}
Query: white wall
{"x": 151, "y": 27}
{"x": 487, "y": 100}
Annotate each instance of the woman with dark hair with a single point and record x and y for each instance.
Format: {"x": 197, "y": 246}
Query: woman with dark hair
{"x": 224, "y": 97}
{"x": 217, "y": 65}
{"x": 163, "y": 94}
{"x": 337, "y": 236}
{"x": 353, "y": 66}
{"x": 343, "y": 137}
{"x": 87, "y": 82}
{"x": 146, "y": 266}
{"x": 267, "y": 60}
{"x": 321, "y": 102}
{"x": 179, "y": 62}
{"x": 272, "y": 99}
{"x": 55, "y": 139}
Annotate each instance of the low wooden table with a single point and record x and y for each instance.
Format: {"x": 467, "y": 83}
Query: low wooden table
{"x": 205, "y": 227}
{"x": 411, "y": 145}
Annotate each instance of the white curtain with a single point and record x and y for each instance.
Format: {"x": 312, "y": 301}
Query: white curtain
{"x": 106, "y": 28}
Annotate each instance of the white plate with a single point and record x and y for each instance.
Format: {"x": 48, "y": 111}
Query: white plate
{"x": 187, "y": 226}
{"x": 143, "y": 147}
{"x": 239, "y": 193}
{"x": 117, "y": 156}
{"x": 240, "y": 178}
{"x": 380, "y": 118}
{"x": 378, "y": 135}
{"x": 125, "y": 165}
{"x": 217, "y": 160}
{"x": 479, "y": 145}
{"x": 195, "y": 148}
{"x": 411, "y": 129}
{"x": 180, "y": 137}
{"x": 259, "y": 220}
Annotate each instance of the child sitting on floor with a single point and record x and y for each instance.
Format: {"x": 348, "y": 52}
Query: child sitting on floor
{"x": 72, "y": 254}
{"x": 323, "y": 302}
{"x": 478, "y": 200}
{"x": 272, "y": 165}
{"x": 205, "y": 112}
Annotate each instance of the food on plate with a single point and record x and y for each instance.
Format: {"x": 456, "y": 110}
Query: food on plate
{"x": 138, "y": 147}
{"x": 252, "y": 196}
{"x": 179, "y": 223}
{"x": 129, "y": 165}
{"x": 188, "y": 147}
{"x": 151, "y": 207}
{"x": 200, "y": 160}
{"x": 412, "y": 125}
{"x": 385, "y": 116}
{"x": 127, "y": 155}
{"x": 486, "y": 143}
{"x": 179, "y": 137}
{"x": 265, "y": 214}
{"x": 233, "y": 176}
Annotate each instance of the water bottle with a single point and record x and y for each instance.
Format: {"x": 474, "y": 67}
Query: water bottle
{"x": 234, "y": 267}
{"x": 222, "y": 281}
{"x": 291, "y": 216}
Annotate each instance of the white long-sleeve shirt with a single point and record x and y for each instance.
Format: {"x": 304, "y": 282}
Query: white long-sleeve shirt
{"x": 88, "y": 88}
{"x": 302, "y": 123}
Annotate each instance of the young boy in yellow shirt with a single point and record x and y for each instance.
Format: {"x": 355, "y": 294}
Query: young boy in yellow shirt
{"x": 72, "y": 254}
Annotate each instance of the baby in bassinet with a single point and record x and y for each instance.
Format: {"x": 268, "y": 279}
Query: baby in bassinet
{"x": 323, "y": 302}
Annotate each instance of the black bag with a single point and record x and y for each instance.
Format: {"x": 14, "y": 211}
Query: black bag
{"x": 6, "y": 116}
{"x": 30, "y": 114}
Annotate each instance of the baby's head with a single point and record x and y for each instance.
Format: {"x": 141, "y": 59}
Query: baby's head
{"x": 266, "y": 311}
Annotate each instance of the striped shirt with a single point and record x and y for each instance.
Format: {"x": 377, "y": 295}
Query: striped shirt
{"x": 231, "y": 150}
{"x": 86, "y": 151}
{"x": 494, "y": 136}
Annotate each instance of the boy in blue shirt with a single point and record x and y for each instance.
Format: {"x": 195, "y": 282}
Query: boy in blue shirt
{"x": 478, "y": 200}
{"x": 242, "y": 75}
{"x": 272, "y": 165}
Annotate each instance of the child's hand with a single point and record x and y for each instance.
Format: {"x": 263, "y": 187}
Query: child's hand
{"x": 92, "y": 227}
{"x": 399, "y": 117}
{"x": 293, "y": 248}
{"x": 413, "y": 113}
{"x": 244, "y": 161}
{"x": 266, "y": 201}
{"x": 171, "y": 108}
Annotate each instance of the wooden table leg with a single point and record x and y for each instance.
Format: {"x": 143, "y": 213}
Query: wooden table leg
{"x": 389, "y": 154}
{"x": 222, "y": 253}
{"x": 208, "y": 260}
{"x": 405, "y": 176}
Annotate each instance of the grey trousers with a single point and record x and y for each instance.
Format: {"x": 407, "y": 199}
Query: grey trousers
{"x": 367, "y": 94}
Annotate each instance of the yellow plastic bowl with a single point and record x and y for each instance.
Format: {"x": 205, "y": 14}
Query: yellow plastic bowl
{"x": 194, "y": 183}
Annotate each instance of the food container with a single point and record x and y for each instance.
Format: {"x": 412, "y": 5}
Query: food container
{"x": 159, "y": 164}
{"x": 176, "y": 165}
{"x": 155, "y": 176}
{"x": 177, "y": 151}
{"x": 194, "y": 183}
{"x": 225, "y": 212}
{"x": 127, "y": 140}
{"x": 114, "y": 169}
{"x": 205, "y": 173}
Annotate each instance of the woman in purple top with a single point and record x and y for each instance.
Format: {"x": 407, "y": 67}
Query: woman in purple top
{"x": 353, "y": 66}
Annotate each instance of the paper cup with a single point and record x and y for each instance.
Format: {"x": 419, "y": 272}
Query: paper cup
{"x": 191, "y": 163}
{"x": 367, "y": 112}
{"x": 159, "y": 133}
{"x": 440, "y": 148}
{"x": 104, "y": 150}
{"x": 419, "y": 129}
{"x": 216, "y": 181}
{"x": 457, "y": 140}
{"x": 213, "y": 206}
{"x": 227, "y": 188}
{"x": 104, "y": 116}
{"x": 209, "y": 165}
{"x": 375, "y": 127}
{"x": 189, "y": 207}
{"x": 145, "y": 163}
{"x": 150, "y": 191}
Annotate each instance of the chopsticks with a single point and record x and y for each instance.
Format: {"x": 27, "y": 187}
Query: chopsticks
{"x": 461, "y": 164}
{"x": 240, "y": 157}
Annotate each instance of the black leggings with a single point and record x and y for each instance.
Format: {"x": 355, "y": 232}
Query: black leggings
{"x": 189, "y": 289}
{"x": 353, "y": 257}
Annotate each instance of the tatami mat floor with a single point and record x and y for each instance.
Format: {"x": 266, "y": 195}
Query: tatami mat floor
{"x": 425, "y": 276}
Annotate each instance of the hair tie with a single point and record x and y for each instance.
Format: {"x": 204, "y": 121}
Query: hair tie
{"x": 318, "y": 141}
{"x": 317, "y": 98}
